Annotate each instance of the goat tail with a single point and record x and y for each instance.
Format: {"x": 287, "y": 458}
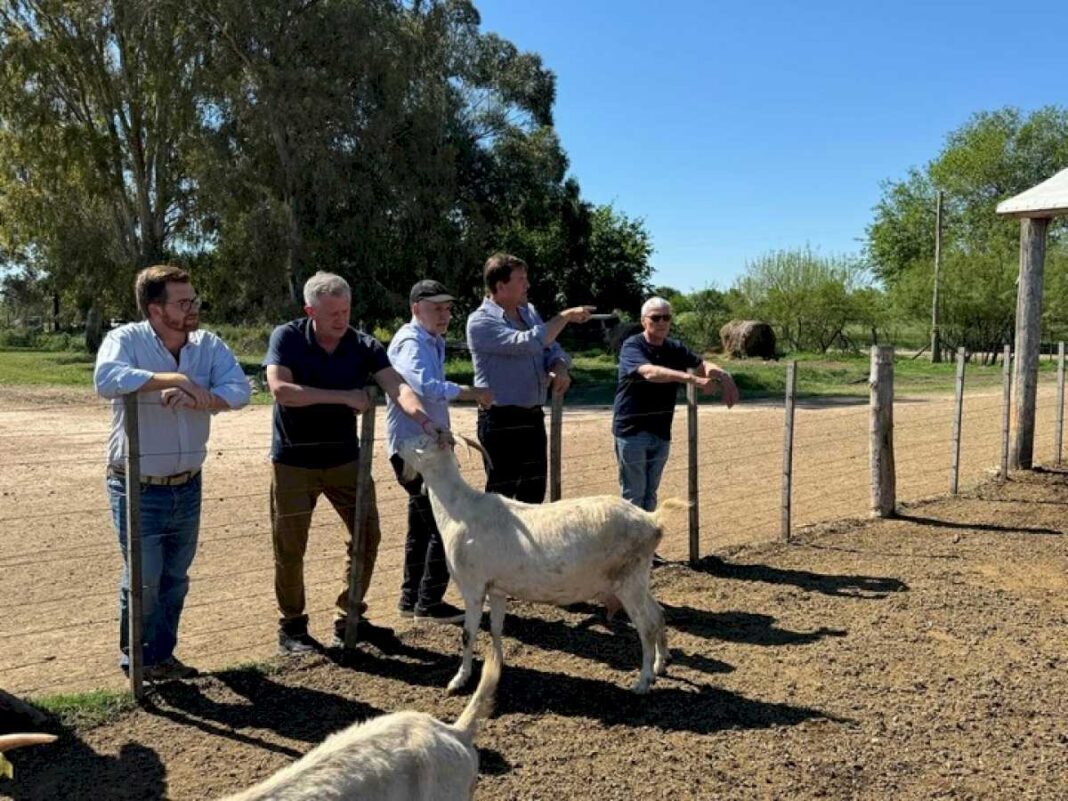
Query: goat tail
{"x": 9, "y": 741}
{"x": 668, "y": 504}
{"x": 481, "y": 704}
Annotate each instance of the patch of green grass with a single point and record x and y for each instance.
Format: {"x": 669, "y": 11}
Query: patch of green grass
{"x": 86, "y": 710}
{"x": 594, "y": 374}
{"x": 40, "y": 367}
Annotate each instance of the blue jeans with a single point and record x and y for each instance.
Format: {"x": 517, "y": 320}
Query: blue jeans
{"x": 641, "y": 464}
{"x": 170, "y": 520}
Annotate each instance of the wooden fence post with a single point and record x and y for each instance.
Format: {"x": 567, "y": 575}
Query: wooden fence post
{"x": 1006, "y": 410}
{"x": 788, "y": 450}
{"x": 691, "y": 426}
{"x": 556, "y": 419}
{"x": 135, "y": 602}
{"x": 881, "y": 429}
{"x": 363, "y": 508}
{"x": 958, "y": 413}
{"x": 1058, "y": 439}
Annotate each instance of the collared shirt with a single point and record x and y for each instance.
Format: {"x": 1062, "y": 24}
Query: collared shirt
{"x": 419, "y": 357}
{"x": 324, "y": 434}
{"x": 642, "y": 405}
{"x": 511, "y": 361}
{"x": 172, "y": 440}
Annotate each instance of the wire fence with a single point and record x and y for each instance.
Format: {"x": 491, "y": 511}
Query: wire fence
{"x": 60, "y": 561}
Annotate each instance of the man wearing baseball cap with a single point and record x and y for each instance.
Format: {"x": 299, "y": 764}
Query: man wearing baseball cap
{"x": 417, "y": 353}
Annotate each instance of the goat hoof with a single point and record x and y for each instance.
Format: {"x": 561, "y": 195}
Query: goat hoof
{"x": 660, "y": 669}
{"x": 456, "y": 685}
{"x": 642, "y": 687}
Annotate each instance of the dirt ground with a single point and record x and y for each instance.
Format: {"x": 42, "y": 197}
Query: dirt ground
{"x": 59, "y": 562}
{"x": 915, "y": 658}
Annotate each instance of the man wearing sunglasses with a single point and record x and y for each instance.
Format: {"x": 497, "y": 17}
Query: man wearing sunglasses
{"x": 651, "y": 366}
{"x": 181, "y": 375}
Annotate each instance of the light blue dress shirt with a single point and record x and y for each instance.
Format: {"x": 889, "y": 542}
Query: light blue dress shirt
{"x": 419, "y": 357}
{"x": 512, "y": 362}
{"x": 172, "y": 440}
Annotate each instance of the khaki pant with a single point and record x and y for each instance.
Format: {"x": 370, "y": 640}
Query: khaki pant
{"x": 294, "y": 492}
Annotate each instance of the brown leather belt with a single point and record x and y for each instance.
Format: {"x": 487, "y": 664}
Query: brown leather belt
{"x": 158, "y": 481}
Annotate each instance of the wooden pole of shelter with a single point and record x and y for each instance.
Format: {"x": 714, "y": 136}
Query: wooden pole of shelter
{"x": 958, "y": 413}
{"x": 135, "y": 605}
{"x": 556, "y": 418}
{"x": 693, "y": 494}
{"x": 1058, "y": 439}
{"x": 788, "y": 450}
{"x": 881, "y": 430}
{"x": 1006, "y": 411}
{"x": 936, "y": 335}
{"x": 1028, "y": 332}
{"x": 362, "y": 512}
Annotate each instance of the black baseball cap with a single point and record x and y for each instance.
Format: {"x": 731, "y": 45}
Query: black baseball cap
{"x": 434, "y": 291}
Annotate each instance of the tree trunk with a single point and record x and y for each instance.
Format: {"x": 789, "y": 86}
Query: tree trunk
{"x": 94, "y": 329}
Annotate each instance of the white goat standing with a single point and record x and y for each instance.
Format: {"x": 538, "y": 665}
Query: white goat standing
{"x": 404, "y": 756}
{"x": 560, "y": 553}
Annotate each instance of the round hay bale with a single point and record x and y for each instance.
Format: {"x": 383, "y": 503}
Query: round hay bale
{"x": 743, "y": 339}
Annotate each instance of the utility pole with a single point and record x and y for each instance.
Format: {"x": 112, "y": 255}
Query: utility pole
{"x": 936, "y": 335}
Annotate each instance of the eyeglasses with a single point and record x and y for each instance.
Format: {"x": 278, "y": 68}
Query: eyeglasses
{"x": 186, "y": 304}
{"x": 658, "y": 318}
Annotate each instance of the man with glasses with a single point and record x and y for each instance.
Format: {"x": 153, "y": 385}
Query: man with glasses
{"x": 651, "y": 366}
{"x": 181, "y": 375}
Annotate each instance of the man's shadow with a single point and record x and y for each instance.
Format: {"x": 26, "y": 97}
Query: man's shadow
{"x": 741, "y": 627}
{"x": 848, "y": 586}
{"x": 296, "y": 713}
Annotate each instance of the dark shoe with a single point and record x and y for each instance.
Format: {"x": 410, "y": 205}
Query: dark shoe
{"x": 294, "y": 643}
{"x": 659, "y": 561}
{"x": 405, "y": 610}
{"x": 170, "y": 670}
{"x": 440, "y": 612}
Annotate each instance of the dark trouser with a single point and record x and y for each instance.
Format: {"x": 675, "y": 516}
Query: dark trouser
{"x": 515, "y": 438}
{"x": 426, "y": 573}
{"x": 294, "y": 491}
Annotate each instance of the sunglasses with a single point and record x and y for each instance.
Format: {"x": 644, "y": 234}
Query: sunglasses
{"x": 659, "y": 318}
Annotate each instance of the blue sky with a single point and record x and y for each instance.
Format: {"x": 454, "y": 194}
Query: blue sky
{"x": 734, "y": 129}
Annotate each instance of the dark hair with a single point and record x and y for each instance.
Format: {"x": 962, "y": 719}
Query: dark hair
{"x": 151, "y": 284}
{"x": 498, "y": 269}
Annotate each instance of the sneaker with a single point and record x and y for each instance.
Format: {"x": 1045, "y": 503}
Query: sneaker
{"x": 292, "y": 644}
{"x": 170, "y": 670}
{"x": 406, "y": 610}
{"x": 440, "y": 612}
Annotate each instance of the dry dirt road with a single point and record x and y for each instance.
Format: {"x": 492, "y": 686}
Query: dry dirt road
{"x": 59, "y": 562}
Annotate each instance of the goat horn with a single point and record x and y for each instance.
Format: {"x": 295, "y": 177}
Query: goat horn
{"x": 9, "y": 741}
{"x": 478, "y": 447}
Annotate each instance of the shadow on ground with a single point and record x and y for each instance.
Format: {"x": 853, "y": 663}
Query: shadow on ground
{"x": 852, "y": 586}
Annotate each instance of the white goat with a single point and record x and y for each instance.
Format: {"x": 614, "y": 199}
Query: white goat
{"x": 559, "y": 553}
{"x": 9, "y": 741}
{"x": 404, "y": 756}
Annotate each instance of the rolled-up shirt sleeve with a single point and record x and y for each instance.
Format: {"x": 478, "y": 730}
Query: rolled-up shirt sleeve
{"x": 114, "y": 374}
{"x": 493, "y": 336}
{"x": 409, "y": 359}
{"x": 228, "y": 380}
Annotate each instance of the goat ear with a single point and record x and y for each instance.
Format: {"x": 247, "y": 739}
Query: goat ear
{"x": 408, "y": 472}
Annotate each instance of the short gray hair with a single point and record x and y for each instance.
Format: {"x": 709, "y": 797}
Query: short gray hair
{"x": 323, "y": 283}
{"x": 654, "y": 303}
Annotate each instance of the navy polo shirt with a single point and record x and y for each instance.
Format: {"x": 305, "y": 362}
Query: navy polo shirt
{"x": 322, "y": 435}
{"x": 641, "y": 405}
